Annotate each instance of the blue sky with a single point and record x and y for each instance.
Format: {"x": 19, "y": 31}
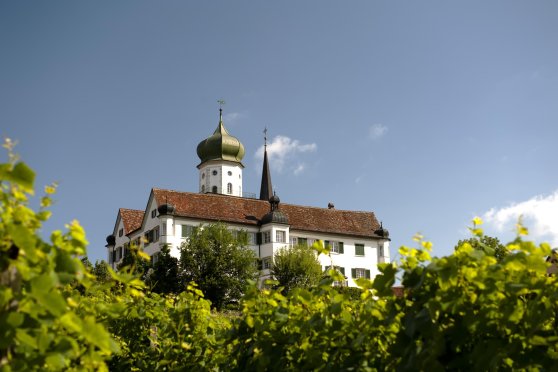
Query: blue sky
{"x": 426, "y": 112}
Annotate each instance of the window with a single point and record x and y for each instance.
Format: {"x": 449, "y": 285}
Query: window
{"x": 118, "y": 253}
{"x": 341, "y": 270}
{"x": 164, "y": 228}
{"x": 334, "y": 247}
{"x": 252, "y": 238}
{"x": 114, "y": 256}
{"x": 214, "y": 172}
{"x": 203, "y": 176}
{"x": 280, "y": 236}
{"x": 302, "y": 241}
{"x": 381, "y": 251}
{"x": 360, "y": 273}
{"x": 229, "y": 188}
{"x": 120, "y": 232}
{"x": 154, "y": 213}
{"x": 359, "y": 249}
{"x": 267, "y": 237}
{"x": 214, "y": 190}
{"x": 267, "y": 262}
{"x": 187, "y": 230}
{"x": 156, "y": 234}
{"x": 292, "y": 240}
{"x": 203, "y": 189}
{"x": 229, "y": 173}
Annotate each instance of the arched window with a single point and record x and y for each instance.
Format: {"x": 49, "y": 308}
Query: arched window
{"x": 214, "y": 190}
{"x": 203, "y": 189}
{"x": 229, "y": 188}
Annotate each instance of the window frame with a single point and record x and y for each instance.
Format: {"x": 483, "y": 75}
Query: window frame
{"x": 280, "y": 236}
{"x": 186, "y": 231}
{"x": 335, "y": 246}
{"x": 266, "y": 237}
{"x": 267, "y": 263}
{"x": 360, "y": 272}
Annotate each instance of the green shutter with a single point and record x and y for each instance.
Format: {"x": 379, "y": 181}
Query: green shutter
{"x": 341, "y": 250}
{"x": 342, "y": 270}
{"x": 359, "y": 249}
{"x": 367, "y": 274}
{"x": 353, "y": 273}
{"x": 326, "y": 244}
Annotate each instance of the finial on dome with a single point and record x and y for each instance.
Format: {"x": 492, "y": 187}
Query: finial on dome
{"x": 221, "y": 145}
{"x": 265, "y": 137}
{"x": 221, "y": 102}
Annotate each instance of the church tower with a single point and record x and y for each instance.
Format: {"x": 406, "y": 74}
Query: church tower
{"x": 220, "y": 169}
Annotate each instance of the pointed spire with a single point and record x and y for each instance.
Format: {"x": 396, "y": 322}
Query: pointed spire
{"x": 266, "y": 189}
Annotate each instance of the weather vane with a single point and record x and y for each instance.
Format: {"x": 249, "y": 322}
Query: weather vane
{"x": 221, "y": 102}
{"x": 265, "y": 137}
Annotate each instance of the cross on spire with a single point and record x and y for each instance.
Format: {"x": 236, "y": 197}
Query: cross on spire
{"x": 221, "y": 102}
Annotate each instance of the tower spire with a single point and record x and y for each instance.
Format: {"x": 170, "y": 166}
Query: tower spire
{"x": 266, "y": 189}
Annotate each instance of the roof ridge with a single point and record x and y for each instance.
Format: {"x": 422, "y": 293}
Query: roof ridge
{"x": 133, "y": 210}
{"x": 258, "y": 200}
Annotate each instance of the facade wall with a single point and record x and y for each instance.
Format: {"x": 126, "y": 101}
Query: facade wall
{"x": 347, "y": 253}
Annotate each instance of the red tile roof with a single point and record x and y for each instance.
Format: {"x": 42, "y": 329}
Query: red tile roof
{"x": 131, "y": 218}
{"x": 231, "y": 209}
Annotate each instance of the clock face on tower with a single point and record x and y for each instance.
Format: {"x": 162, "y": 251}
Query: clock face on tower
{"x": 214, "y": 172}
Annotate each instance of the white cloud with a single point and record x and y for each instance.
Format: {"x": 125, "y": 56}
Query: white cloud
{"x": 540, "y": 216}
{"x": 377, "y": 130}
{"x": 299, "y": 169}
{"x": 282, "y": 151}
{"x": 232, "y": 117}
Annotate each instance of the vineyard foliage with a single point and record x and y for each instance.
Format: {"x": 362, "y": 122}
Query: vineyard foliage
{"x": 466, "y": 311}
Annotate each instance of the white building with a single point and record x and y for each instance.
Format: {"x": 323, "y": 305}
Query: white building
{"x": 356, "y": 240}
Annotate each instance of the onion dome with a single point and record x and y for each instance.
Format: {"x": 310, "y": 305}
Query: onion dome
{"x": 111, "y": 240}
{"x": 274, "y": 215}
{"x": 381, "y": 232}
{"x": 165, "y": 209}
{"x": 221, "y": 145}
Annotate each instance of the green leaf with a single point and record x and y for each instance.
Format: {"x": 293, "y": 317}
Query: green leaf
{"x": 55, "y": 361}
{"x": 71, "y": 322}
{"x": 26, "y": 339}
{"x": 15, "y": 319}
{"x": 23, "y": 176}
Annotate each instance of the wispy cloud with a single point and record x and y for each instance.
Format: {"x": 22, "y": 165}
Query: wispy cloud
{"x": 283, "y": 150}
{"x": 377, "y": 131}
{"x": 540, "y": 216}
{"x": 232, "y": 117}
{"x": 299, "y": 169}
